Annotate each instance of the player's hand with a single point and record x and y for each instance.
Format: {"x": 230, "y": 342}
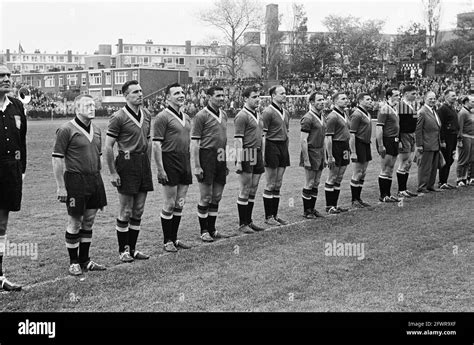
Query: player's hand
{"x": 307, "y": 165}
{"x": 162, "y": 177}
{"x": 381, "y": 150}
{"x": 459, "y": 143}
{"x": 62, "y": 194}
{"x": 443, "y": 145}
{"x": 199, "y": 174}
{"x": 331, "y": 162}
{"x": 115, "y": 179}
{"x": 238, "y": 167}
{"x": 353, "y": 157}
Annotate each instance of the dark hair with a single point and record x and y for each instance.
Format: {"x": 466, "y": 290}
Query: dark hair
{"x": 246, "y": 93}
{"x": 361, "y": 96}
{"x": 465, "y": 99}
{"x": 313, "y": 94}
{"x": 409, "y": 88}
{"x": 272, "y": 90}
{"x": 127, "y": 84}
{"x": 389, "y": 93}
{"x": 447, "y": 91}
{"x": 336, "y": 96}
{"x": 213, "y": 89}
{"x": 168, "y": 87}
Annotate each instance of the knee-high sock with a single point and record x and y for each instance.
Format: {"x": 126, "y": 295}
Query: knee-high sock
{"x": 306, "y": 196}
{"x": 203, "y": 214}
{"x": 356, "y": 188}
{"x": 167, "y": 225}
{"x": 72, "y": 245}
{"x": 242, "y": 205}
{"x": 211, "y": 219}
{"x": 84, "y": 245}
{"x": 276, "y": 202}
{"x": 330, "y": 195}
{"x": 268, "y": 203}
{"x": 251, "y": 202}
{"x": 314, "y": 197}
{"x": 385, "y": 184}
{"x": 2, "y": 252}
{"x": 122, "y": 234}
{"x": 133, "y": 231}
{"x": 361, "y": 184}
{"x": 177, "y": 213}
{"x": 337, "y": 191}
{"x": 402, "y": 178}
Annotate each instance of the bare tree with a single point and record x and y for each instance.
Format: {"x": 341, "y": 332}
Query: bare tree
{"x": 233, "y": 18}
{"x": 432, "y": 13}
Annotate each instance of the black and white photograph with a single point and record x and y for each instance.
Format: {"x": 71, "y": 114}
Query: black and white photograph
{"x": 236, "y": 171}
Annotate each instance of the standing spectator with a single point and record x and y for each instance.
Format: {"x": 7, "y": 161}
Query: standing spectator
{"x": 466, "y": 142}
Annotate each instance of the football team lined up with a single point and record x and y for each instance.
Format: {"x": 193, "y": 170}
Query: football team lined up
{"x": 182, "y": 147}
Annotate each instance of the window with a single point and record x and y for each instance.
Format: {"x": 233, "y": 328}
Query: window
{"x": 144, "y": 60}
{"x": 95, "y": 78}
{"x": 148, "y": 49}
{"x": 26, "y": 58}
{"x": 34, "y": 58}
{"x": 60, "y": 80}
{"x": 120, "y": 77}
{"x": 213, "y": 62}
{"x": 83, "y": 79}
{"x": 133, "y": 60}
{"x": 76, "y": 58}
{"x": 29, "y": 80}
{"x": 72, "y": 79}
{"x": 50, "y": 58}
{"x": 168, "y": 60}
{"x": 127, "y": 49}
{"x": 107, "y": 78}
{"x": 37, "y": 82}
{"x": 201, "y": 73}
{"x": 61, "y": 58}
{"x": 180, "y": 61}
{"x": 49, "y": 81}
{"x": 118, "y": 92}
{"x": 166, "y": 50}
{"x": 200, "y": 62}
{"x": 158, "y": 50}
{"x": 14, "y": 58}
{"x": 135, "y": 75}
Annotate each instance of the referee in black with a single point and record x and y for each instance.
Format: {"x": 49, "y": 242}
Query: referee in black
{"x": 12, "y": 162}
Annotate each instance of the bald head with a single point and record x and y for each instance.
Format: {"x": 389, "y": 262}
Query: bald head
{"x": 430, "y": 98}
{"x": 5, "y": 80}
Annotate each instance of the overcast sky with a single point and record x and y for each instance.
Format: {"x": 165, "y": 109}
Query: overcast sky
{"x": 81, "y": 26}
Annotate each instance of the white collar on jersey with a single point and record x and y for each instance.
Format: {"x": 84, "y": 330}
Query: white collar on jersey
{"x": 181, "y": 121}
{"x": 218, "y": 119}
{"x": 89, "y": 135}
{"x": 139, "y": 124}
{"x": 281, "y": 113}
{"x": 320, "y": 119}
{"x": 256, "y": 119}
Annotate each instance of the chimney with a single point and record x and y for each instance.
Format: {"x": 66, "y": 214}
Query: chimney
{"x": 120, "y": 46}
{"x": 188, "y": 47}
{"x": 8, "y": 55}
{"x": 69, "y": 56}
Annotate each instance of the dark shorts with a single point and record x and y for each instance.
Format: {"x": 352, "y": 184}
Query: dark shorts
{"x": 11, "y": 183}
{"x": 276, "y": 154}
{"x": 252, "y": 161}
{"x": 316, "y": 158}
{"x": 362, "y": 151}
{"x": 135, "y": 173}
{"x": 391, "y": 145}
{"x": 178, "y": 168}
{"x": 214, "y": 169}
{"x": 341, "y": 153}
{"x": 84, "y": 192}
{"x": 408, "y": 142}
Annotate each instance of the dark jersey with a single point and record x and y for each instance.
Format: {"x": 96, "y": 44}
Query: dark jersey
{"x": 408, "y": 115}
{"x": 315, "y": 126}
{"x": 337, "y": 126}
{"x": 361, "y": 125}
{"x": 172, "y": 131}
{"x": 13, "y": 131}
{"x": 276, "y": 123}
{"x": 388, "y": 119}
{"x": 210, "y": 129}
{"x": 249, "y": 127}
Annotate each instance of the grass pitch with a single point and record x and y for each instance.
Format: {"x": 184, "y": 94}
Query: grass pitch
{"x": 416, "y": 257}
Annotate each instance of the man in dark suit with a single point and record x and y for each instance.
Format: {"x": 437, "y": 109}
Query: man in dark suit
{"x": 449, "y": 133}
{"x": 428, "y": 144}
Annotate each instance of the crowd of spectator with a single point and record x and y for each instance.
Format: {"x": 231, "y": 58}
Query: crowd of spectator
{"x": 296, "y": 88}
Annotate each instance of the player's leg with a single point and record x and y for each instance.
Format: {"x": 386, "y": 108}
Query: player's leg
{"x": 331, "y": 199}
{"x": 4, "y": 283}
{"x": 205, "y": 192}
{"x": 122, "y": 226}
{"x": 358, "y": 170}
{"x": 177, "y": 214}
{"x": 306, "y": 193}
{"x": 73, "y": 238}
{"x": 135, "y": 223}
{"x": 245, "y": 183}
{"x": 463, "y": 163}
{"x": 85, "y": 240}
{"x": 169, "y": 195}
{"x": 276, "y": 194}
{"x": 337, "y": 187}
{"x": 216, "y": 196}
{"x": 270, "y": 181}
{"x": 252, "y": 192}
{"x": 361, "y": 183}
{"x": 402, "y": 173}
{"x": 314, "y": 192}
{"x": 385, "y": 178}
